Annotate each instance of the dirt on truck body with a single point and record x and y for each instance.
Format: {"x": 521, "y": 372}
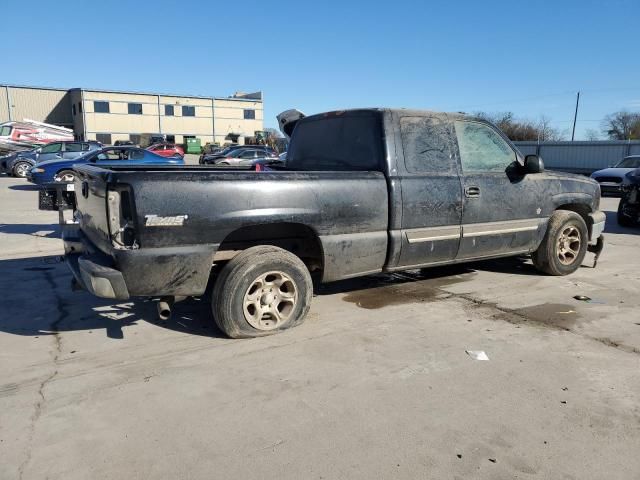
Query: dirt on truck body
{"x": 363, "y": 191}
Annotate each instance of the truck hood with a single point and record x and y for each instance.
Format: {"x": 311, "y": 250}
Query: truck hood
{"x": 612, "y": 172}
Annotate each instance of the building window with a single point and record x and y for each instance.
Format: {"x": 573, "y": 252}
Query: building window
{"x": 104, "y": 138}
{"x": 73, "y": 109}
{"x": 249, "y": 114}
{"x": 188, "y": 111}
{"x": 135, "y": 139}
{"x": 168, "y": 110}
{"x": 135, "y": 108}
{"x": 79, "y": 107}
{"x": 101, "y": 107}
{"x": 171, "y": 139}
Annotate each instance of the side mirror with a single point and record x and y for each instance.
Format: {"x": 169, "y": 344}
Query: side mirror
{"x": 533, "y": 164}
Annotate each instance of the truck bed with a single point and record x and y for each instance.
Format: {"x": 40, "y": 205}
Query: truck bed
{"x": 182, "y": 216}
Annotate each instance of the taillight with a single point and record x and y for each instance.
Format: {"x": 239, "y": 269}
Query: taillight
{"x": 121, "y": 217}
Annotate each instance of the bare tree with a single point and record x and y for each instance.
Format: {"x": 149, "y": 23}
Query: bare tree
{"x": 522, "y": 129}
{"x": 622, "y": 125}
{"x": 592, "y": 135}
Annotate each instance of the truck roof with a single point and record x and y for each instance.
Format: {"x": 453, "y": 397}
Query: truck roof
{"x": 403, "y": 111}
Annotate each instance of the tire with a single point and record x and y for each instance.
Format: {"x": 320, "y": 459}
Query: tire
{"x": 245, "y": 287}
{"x": 69, "y": 174}
{"x": 20, "y": 169}
{"x": 564, "y": 244}
{"x": 623, "y": 220}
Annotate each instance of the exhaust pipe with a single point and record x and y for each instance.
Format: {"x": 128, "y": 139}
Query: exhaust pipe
{"x": 164, "y": 308}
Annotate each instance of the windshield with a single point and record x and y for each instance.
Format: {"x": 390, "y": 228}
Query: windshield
{"x": 337, "y": 141}
{"x": 629, "y": 162}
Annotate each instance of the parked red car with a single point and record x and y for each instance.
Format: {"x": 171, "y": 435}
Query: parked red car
{"x": 167, "y": 150}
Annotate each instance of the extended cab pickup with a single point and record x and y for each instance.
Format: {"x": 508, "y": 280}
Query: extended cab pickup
{"x": 363, "y": 191}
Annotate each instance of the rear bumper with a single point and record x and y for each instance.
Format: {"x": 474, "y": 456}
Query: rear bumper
{"x": 149, "y": 272}
{"x": 93, "y": 272}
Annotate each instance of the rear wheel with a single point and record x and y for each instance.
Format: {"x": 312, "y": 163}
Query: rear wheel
{"x": 20, "y": 169}
{"x": 65, "y": 176}
{"x": 564, "y": 244}
{"x": 261, "y": 291}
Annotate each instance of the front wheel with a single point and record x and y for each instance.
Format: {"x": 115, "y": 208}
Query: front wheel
{"x": 564, "y": 244}
{"x": 65, "y": 176}
{"x": 261, "y": 291}
{"x": 624, "y": 219}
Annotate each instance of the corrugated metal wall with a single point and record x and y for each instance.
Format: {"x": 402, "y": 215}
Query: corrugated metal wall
{"x": 42, "y": 105}
{"x": 4, "y": 106}
{"x": 580, "y": 157}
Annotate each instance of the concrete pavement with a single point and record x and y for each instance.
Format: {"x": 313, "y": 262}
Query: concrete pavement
{"x": 375, "y": 384}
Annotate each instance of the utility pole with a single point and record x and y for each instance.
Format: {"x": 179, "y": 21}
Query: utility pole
{"x": 575, "y": 116}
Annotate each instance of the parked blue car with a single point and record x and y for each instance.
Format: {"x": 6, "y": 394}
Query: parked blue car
{"x": 26, "y": 159}
{"x": 20, "y": 164}
{"x": 62, "y": 170}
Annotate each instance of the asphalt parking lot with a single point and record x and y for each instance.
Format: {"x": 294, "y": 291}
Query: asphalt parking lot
{"x": 375, "y": 384}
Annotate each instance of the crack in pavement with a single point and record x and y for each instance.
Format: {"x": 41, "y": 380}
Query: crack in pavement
{"x": 62, "y": 313}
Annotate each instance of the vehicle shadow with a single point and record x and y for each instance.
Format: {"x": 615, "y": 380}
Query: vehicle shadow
{"x": 612, "y": 225}
{"x": 38, "y": 300}
{"x": 47, "y": 230}
{"x": 27, "y": 187}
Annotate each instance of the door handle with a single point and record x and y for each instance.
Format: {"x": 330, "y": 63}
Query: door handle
{"x": 472, "y": 191}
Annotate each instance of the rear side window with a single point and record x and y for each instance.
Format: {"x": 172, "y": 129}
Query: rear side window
{"x": 136, "y": 154}
{"x": 337, "y": 141}
{"x": 73, "y": 147}
{"x": 482, "y": 149}
{"x": 426, "y": 145}
{"x": 52, "y": 148}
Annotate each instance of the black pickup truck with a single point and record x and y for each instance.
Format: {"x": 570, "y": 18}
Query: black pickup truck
{"x": 363, "y": 191}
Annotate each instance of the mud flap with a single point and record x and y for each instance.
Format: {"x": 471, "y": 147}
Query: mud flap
{"x": 596, "y": 249}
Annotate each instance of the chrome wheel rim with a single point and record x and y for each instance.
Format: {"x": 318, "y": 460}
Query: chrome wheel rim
{"x": 67, "y": 177}
{"x": 270, "y": 300}
{"x": 569, "y": 243}
{"x": 22, "y": 169}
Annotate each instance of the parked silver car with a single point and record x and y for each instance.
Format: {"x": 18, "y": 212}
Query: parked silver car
{"x": 245, "y": 156}
{"x": 611, "y": 179}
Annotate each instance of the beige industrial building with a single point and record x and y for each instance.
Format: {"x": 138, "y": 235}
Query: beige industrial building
{"x": 108, "y": 116}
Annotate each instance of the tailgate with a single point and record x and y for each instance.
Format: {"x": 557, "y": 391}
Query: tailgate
{"x": 91, "y": 205}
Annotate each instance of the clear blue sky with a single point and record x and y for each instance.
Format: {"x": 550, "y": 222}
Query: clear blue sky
{"x": 526, "y": 57}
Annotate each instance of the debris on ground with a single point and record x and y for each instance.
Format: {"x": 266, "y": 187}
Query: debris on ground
{"x": 477, "y": 354}
{"x": 492, "y": 460}
{"x": 584, "y": 298}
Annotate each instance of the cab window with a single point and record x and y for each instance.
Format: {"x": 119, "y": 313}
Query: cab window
{"x": 482, "y": 149}
{"x": 425, "y": 141}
